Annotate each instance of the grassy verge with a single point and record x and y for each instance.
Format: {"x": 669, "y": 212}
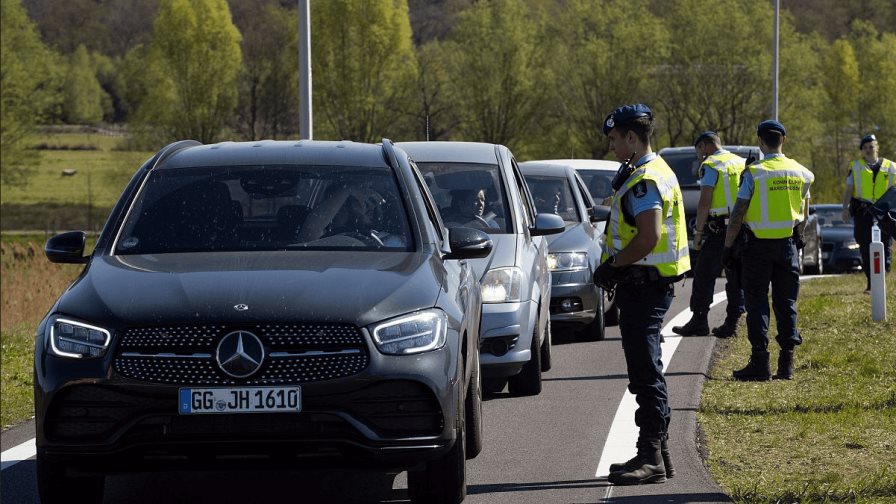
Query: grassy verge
{"x": 17, "y": 398}
{"x": 829, "y": 434}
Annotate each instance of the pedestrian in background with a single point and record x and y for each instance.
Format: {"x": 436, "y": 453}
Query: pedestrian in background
{"x": 868, "y": 179}
{"x": 773, "y": 202}
{"x": 719, "y": 177}
{"x": 646, "y": 253}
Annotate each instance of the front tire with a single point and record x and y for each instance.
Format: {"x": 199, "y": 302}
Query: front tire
{"x": 596, "y": 330}
{"x": 54, "y": 485}
{"x": 528, "y": 382}
{"x": 547, "y": 353}
{"x": 473, "y": 410}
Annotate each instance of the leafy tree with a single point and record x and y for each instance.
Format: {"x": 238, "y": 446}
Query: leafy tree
{"x": 842, "y": 90}
{"x": 436, "y": 117}
{"x": 601, "y": 59}
{"x": 83, "y": 101}
{"x": 29, "y": 88}
{"x": 876, "y": 56}
{"x": 191, "y": 72}
{"x": 717, "y": 76}
{"x": 364, "y": 68}
{"x": 268, "y": 104}
{"x": 496, "y": 59}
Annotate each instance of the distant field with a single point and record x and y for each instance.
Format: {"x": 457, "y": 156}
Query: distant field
{"x": 53, "y": 201}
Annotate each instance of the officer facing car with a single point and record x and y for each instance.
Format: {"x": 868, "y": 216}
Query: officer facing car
{"x": 646, "y": 252}
{"x": 773, "y": 202}
{"x": 719, "y": 177}
{"x": 868, "y": 179}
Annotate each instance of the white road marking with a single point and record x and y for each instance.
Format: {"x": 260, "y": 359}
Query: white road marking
{"x": 623, "y": 435}
{"x": 17, "y": 454}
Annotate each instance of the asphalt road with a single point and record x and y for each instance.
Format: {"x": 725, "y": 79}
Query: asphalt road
{"x": 543, "y": 449}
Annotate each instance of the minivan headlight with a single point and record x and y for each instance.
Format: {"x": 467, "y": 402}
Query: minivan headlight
{"x": 851, "y": 245}
{"x": 77, "y": 340}
{"x": 562, "y": 261}
{"x": 410, "y": 334}
{"x": 502, "y": 285}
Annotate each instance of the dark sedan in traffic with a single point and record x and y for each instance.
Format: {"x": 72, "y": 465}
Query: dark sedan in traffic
{"x": 264, "y": 304}
{"x": 839, "y": 249}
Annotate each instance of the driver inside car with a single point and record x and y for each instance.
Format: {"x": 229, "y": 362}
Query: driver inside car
{"x": 468, "y": 208}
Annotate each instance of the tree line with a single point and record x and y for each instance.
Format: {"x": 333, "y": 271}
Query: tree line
{"x": 536, "y": 75}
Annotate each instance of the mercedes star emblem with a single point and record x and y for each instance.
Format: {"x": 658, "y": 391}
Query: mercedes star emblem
{"x": 241, "y": 307}
{"x": 240, "y": 354}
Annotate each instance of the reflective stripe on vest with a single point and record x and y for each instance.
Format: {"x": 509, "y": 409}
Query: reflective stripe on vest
{"x": 777, "y": 202}
{"x": 670, "y": 255}
{"x": 729, "y": 167}
{"x": 865, "y": 186}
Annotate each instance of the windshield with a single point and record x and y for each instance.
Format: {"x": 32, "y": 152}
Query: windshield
{"x": 553, "y": 195}
{"x": 243, "y": 208}
{"x": 685, "y": 166}
{"x": 469, "y": 195}
{"x": 599, "y": 183}
{"x": 831, "y": 216}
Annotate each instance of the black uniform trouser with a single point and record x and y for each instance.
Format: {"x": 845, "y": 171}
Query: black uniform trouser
{"x": 641, "y": 312}
{"x": 774, "y": 262}
{"x": 862, "y": 233}
{"x": 707, "y": 269}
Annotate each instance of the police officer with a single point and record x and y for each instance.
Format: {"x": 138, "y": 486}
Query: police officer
{"x": 773, "y": 201}
{"x": 646, "y": 252}
{"x": 719, "y": 177}
{"x": 868, "y": 179}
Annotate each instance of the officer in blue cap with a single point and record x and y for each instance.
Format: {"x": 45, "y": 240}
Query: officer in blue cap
{"x": 868, "y": 179}
{"x": 772, "y": 206}
{"x": 719, "y": 173}
{"x": 646, "y": 252}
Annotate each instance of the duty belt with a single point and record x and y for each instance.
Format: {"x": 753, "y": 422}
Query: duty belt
{"x": 717, "y": 224}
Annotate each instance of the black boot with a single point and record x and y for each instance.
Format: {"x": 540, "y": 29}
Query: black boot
{"x": 646, "y": 467}
{"x": 697, "y": 326}
{"x": 728, "y": 329}
{"x": 667, "y": 457}
{"x": 756, "y": 370}
{"x": 785, "y": 365}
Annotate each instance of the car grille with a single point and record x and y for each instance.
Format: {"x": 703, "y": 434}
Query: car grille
{"x": 294, "y": 353}
{"x": 92, "y": 413}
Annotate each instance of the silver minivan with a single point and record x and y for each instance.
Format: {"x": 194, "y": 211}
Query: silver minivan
{"x": 479, "y": 185}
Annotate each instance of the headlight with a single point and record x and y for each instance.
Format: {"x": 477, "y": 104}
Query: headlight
{"x": 78, "y": 340}
{"x": 851, "y": 245}
{"x": 502, "y": 285}
{"x": 567, "y": 261}
{"x": 410, "y": 334}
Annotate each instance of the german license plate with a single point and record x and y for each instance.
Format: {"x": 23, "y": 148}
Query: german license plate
{"x": 240, "y": 400}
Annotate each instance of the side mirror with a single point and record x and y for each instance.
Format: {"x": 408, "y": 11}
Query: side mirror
{"x": 67, "y": 248}
{"x": 547, "y": 224}
{"x": 812, "y": 210}
{"x": 599, "y": 213}
{"x": 468, "y": 243}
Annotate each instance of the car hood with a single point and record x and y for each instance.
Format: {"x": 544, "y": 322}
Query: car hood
{"x": 355, "y": 287}
{"x": 573, "y": 239}
{"x": 837, "y": 233}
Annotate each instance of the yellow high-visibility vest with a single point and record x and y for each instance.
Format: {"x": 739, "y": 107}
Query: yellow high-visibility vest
{"x": 729, "y": 167}
{"x": 865, "y": 186}
{"x": 670, "y": 255}
{"x": 777, "y": 202}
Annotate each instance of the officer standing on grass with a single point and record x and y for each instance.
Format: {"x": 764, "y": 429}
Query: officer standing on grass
{"x": 868, "y": 179}
{"x": 773, "y": 202}
{"x": 646, "y": 252}
{"x": 719, "y": 177}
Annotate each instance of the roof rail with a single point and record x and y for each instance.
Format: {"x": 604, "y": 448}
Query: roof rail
{"x": 389, "y": 149}
{"x": 169, "y": 150}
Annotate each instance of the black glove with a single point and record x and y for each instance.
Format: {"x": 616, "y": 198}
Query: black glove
{"x": 728, "y": 257}
{"x": 603, "y": 276}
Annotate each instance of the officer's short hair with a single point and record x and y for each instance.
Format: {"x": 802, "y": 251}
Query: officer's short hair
{"x": 642, "y": 127}
{"x": 708, "y": 137}
{"x": 773, "y": 139}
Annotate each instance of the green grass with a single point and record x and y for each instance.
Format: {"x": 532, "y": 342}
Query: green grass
{"x": 828, "y": 435}
{"x": 51, "y": 201}
{"x": 16, "y": 393}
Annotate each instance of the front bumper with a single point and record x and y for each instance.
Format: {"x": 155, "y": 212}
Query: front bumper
{"x": 840, "y": 258}
{"x": 505, "y": 337}
{"x": 574, "y": 297}
{"x": 399, "y": 412}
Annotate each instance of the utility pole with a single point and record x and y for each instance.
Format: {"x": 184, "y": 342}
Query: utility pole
{"x": 305, "y": 122}
{"x": 775, "y": 63}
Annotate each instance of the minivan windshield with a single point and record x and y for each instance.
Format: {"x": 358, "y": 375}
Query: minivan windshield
{"x": 268, "y": 207}
{"x": 469, "y": 194}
